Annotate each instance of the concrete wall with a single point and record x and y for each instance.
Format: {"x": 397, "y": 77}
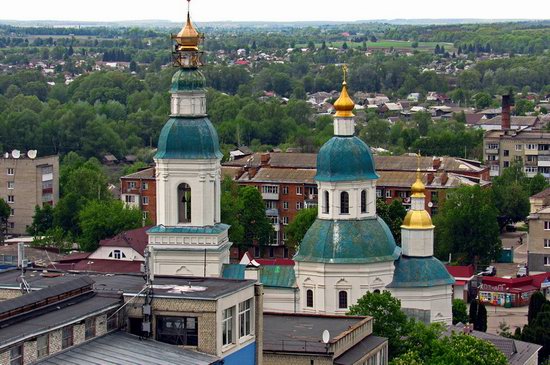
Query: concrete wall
{"x": 285, "y": 359}
{"x": 537, "y": 235}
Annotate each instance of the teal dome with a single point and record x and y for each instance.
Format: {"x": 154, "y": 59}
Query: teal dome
{"x": 345, "y": 159}
{"x": 348, "y": 242}
{"x": 419, "y": 272}
{"x": 188, "y": 80}
{"x": 188, "y": 138}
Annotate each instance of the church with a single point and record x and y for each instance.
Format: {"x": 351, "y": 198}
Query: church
{"x": 348, "y": 250}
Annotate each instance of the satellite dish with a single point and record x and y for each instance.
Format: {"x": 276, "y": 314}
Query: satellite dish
{"x": 6, "y": 155}
{"x": 326, "y": 336}
{"x": 32, "y": 154}
{"x": 430, "y": 204}
{"x": 15, "y": 153}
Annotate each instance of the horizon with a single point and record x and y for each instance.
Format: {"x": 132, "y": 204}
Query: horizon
{"x": 282, "y": 11}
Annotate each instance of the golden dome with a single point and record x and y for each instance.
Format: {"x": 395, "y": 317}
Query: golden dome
{"x": 417, "y": 219}
{"x": 188, "y": 38}
{"x": 418, "y": 187}
{"x": 344, "y": 105}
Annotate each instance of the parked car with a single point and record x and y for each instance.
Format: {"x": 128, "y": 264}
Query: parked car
{"x": 523, "y": 271}
{"x": 489, "y": 271}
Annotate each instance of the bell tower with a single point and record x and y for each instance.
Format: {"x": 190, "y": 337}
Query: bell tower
{"x": 189, "y": 238}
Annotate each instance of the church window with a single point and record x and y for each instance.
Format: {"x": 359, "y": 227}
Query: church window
{"x": 363, "y": 201}
{"x": 184, "y": 203}
{"x": 342, "y": 299}
{"x": 309, "y": 298}
{"x": 325, "y": 202}
{"x": 344, "y": 202}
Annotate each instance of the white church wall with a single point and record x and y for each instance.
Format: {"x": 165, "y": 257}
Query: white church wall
{"x": 436, "y": 299}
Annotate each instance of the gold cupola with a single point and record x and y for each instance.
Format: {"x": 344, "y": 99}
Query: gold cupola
{"x": 186, "y": 52}
{"x": 418, "y": 188}
{"x": 344, "y": 105}
{"x": 188, "y": 38}
{"x": 417, "y": 217}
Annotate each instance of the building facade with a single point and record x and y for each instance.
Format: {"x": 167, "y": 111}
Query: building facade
{"x": 26, "y": 183}
{"x": 139, "y": 190}
{"x": 539, "y": 240}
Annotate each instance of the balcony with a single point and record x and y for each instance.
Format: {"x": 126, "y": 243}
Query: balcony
{"x": 491, "y": 151}
{"x": 544, "y": 152}
{"x": 276, "y": 227}
{"x": 533, "y": 152}
{"x": 494, "y": 172}
{"x": 531, "y": 163}
{"x": 272, "y": 212}
{"x": 270, "y": 196}
{"x": 544, "y": 161}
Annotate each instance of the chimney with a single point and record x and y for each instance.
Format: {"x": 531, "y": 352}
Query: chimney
{"x": 252, "y": 171}
{"x": 507, "y": 102}
{"x": 436, "y": 163}
{"x": 444, "y": 178}
{"x": 264, "y": 159}
{"x": 430, "y": 177}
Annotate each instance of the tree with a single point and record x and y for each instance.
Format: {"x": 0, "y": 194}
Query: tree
{"x": 463, "y": 349}
{"x": 537, "y": 184}
{"x": 460, "y": 312}
{"x": 472, "y": 315}
{"x": 5, "y": 212}
{"x": 297, "y": 229}
{"x": 535, "y": 305}
{"x": 482, "y": 100}
{"x": 41, "y": 221}
{"x": 524, "y": 106}
{"x": 230, "y": 207}
{"x": 539, "y": 331}
{"x": 467, "y": 226}
{"x": 511, "y": 192}
{"x": 102, "y": 219}
{"x": 393, "y": 214}
{"x": 423, "y": 121}
{"x": 389, "y": 320}
{"x": 257, "y": 227}
{"x": 481, "y": 319}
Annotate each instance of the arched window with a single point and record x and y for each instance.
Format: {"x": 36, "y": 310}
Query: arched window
{"x": 377, "y": 291}
{"x": 309, "y": 298}
{"x": 184, "y": 203}
{"x": 326, "y": 209}
{"x": 363, "y": 201}
{"x": 342, "y": 299}
{"x": 344, "y": 202}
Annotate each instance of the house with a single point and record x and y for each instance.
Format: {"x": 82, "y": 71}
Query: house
{"x": 138, "y": 190}
{"x": 464, "y": 287}
{"x": 109, "y": 159}
{"x": 414, "y": 97}
{"x": 526, "y": 123}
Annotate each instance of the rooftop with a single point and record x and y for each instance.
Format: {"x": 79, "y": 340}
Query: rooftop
{"x": 123, "y": 348}
{"x": 148, "y": 173}
{"x": 135, "y": 238}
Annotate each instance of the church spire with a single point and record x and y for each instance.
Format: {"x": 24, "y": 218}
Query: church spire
{"x": 186, "y": 51}
{"x": 344, "y": 105}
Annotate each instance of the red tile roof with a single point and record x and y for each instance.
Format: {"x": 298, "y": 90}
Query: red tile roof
{"x": 281, "y": 262}
{"x": 74, "y": 257}
{"x": 461, "y": 271}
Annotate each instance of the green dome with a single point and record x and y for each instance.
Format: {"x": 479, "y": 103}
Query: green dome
{"x": 188, "y": 138}
{"x": 419, "y": 272}
{"x": 348, "y": 242}
{"x": 345, "y": 159}
{"x": 188, "y": 80}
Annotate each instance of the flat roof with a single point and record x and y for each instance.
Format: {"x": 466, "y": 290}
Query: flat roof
{"x": 121, "y": 348}
{"x": 171, "y": 286}
{"x": 356, "y": 353}
{"x": 64, "y": 313}
{"x": 303, "y": 332}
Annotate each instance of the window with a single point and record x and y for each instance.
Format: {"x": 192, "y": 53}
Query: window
{"x": 546, "y": 260}
{"x": 181, "y": 331}
{"x": 145, "y": 186}
{"x": 47, "y": 185}
{"x": 12, "y": 212}
{"x": 89, "y": 328}
{"x": 285, "y": 190}
{"x": 506, "y": 164}
{"x": 519, "y": 147}
{"x": 388, "y": 193}
{"x": 492, "y": 158}
{"x": 285, "y": 252}
{"x": 227, "y": 327}
{"x": 403, "y": 194}
{"x": 11, "y": 225}
{"x": 299, "y": 205}
{"x": 298, "y": 190}
{"x": 363, "y": 201}
{"x": 257, "y": 252}
{"x": 131, "y": 185}
{"x": 130, "y": 198}
{"x": 67, "y": 337}
{"x": 312, "y": 190}
{"x": 531, "y": 146}
{"x": 285, "y": 220}
{"x": 529, "y": 158}
{"x": 245, "y": 318}
{"x": 16, "y": 355}
{"x": 184, "y": 203}
{"x": 344, "y": 202}
{"x": 117, "y": 254}
{"x": 547, "y": 225}
{"x": 378, "y": 193}
{"x": 145, "y": 214}
{"x": 274, "y": 220}
{"x": 309, "y": 298}
{"x": 546, "y": 243}
{"x": 11, "y": 199}
{"x": 326, "y": 200}
{"x": 506, "y": 153}
{"x": 42, "y": 346}
{"x": 10, "y": 171}
{"x": 343, "y": 299}
{"x": 11, "y": 185}
{"x": 285, "y": 205}
{"x": 492, "y": 146}
{"x": 270, "y": 189}
{"x": 145, "y": 200}
{"x": 531, "y": 169}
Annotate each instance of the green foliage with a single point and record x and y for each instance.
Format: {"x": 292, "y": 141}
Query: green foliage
{"x": 257, "y": 227}
{"x": 41, "y": 221}
{"x": 467, "y": 227}
{"x": 5, "y": 211}
{"x": 297, "y": 229}
{"x": 460, "y": 312}
{"x": 535, "y": 306}
{"x": 393, "y": 214}
{"x": 462, "y": 349}
{"x": 481, "y": 319}
{"x": 539, "y": 331}
{"x": 102, "y": 219}
{"x": 472, "y": 314}
{"x": 537, "y": 184}
{"x": 389, "y": 320}
{"x": 482, "y": 100}
{"x": 230, "y": 210}
{"x": 511, "y": 192}
{"x": 54, "y": 238}
{"x": 524, "y": 106}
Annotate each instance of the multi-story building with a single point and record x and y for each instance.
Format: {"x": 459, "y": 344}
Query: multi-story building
{"x": 26, "y": 183}
{"x": 286, "y": 181}
{"x": 139, "y": 190}
{"x": 539, "y": 238}
{"x": 504, "y": 147}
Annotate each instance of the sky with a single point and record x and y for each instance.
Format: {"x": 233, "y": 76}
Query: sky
{"x": 270, "y": 10}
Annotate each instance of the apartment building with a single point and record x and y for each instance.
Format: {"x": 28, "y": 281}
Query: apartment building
{"x": 539, "y": 232}
{"x": 139, "y": 190}
{"x": 25, "y": 183}
{"x": 504, "y": 147}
